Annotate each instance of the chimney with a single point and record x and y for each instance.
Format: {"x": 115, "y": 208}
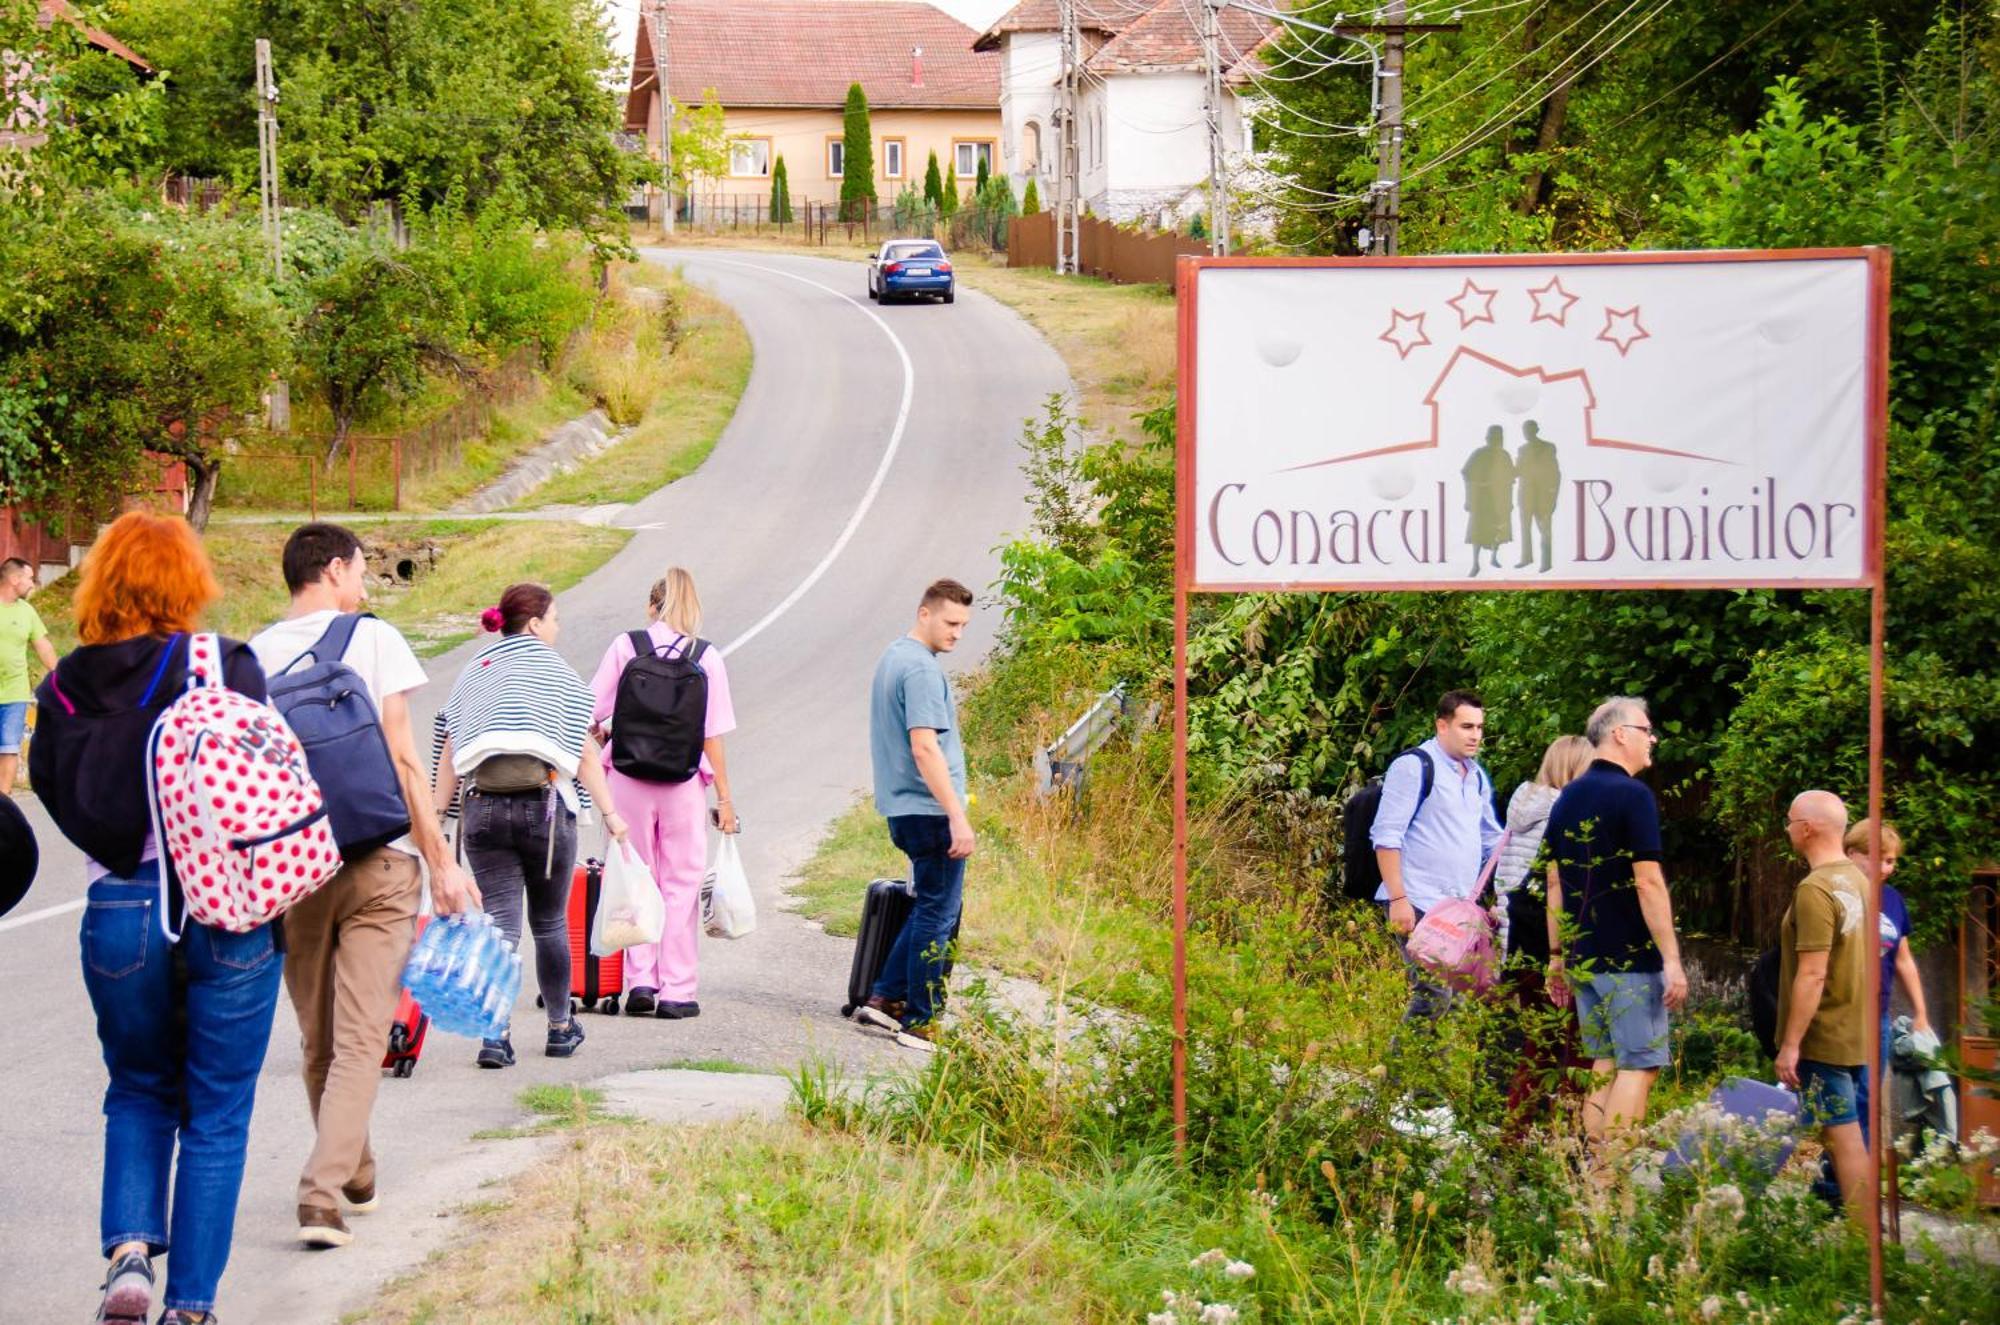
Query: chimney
{"x": 916, "y": 66}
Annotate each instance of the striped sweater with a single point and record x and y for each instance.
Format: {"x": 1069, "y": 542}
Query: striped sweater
{"x": 517, "y": 696}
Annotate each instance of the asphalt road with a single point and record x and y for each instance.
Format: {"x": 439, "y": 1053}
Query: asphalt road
{"x": 872, "y": 452}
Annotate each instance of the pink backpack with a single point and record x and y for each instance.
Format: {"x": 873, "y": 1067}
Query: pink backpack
{"x": 1454, "y": 940}
{"x": 235, "y": 811}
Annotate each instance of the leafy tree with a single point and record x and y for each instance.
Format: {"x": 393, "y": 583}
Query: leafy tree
{"x": 1031, "y": 200}
{"x": 700, "y": 141}
{"x": 934, "y": 184}
{"x": 375, "y": 322}
{"x": 857, "y": 161}
{"x": 781, "y": 194}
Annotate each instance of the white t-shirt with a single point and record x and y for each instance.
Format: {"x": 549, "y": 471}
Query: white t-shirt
{"x": 379, "y": 655}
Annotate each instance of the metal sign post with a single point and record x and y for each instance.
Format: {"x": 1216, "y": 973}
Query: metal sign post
{"x": 1697, "y": 421}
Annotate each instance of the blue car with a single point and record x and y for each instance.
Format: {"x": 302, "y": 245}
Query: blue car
{"x": 909, "y": 269}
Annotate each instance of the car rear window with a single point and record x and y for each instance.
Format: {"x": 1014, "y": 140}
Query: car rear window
{"x": 904, "y": 252}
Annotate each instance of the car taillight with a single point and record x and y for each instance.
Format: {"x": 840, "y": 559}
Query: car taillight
{"x": 891, "y": 268}
{"x": 942, "y": 266}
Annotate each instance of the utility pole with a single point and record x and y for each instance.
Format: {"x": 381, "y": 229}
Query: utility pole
{"x": 666, "y": 105}
{"x": 1218, "y": 163}
{"x": 267, "y": 159}
{"x": 1068, "y": 158}
{"x": 1386, "y": 213}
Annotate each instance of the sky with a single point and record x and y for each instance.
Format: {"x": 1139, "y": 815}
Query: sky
{"x": 624, "y": 16}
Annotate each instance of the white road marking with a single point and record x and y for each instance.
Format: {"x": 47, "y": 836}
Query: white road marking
{"x": 804, "y": 586}
{"x": 881, "y": 469}
{"x": 46, "y": 913}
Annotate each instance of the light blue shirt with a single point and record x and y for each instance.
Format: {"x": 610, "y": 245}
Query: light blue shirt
{"x": 1444, "y": 843}
{"x": 911, "y": 691}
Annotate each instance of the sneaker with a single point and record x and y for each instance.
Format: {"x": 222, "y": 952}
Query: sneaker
{"x": 641, "y": 1002}
{"x": 678, "y": 1011}
{"x": 128, "y": 1290}
{"x": 180, "y": 1317}
{"x": 564, "y": 1039}
{"x": 319, "y": 1227}
{"x": 496, "y": 1053}
{"x": 921, "y": 1038}
{"x": 360, "y": 1198}
{"x": 882, "y": 1013}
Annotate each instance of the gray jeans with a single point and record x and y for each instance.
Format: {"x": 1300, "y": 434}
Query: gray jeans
{"x": 507, "y": 845}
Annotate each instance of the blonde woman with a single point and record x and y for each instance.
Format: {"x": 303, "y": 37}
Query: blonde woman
{"x": 668, "y": 817}
{"x": 1523, "y": 919}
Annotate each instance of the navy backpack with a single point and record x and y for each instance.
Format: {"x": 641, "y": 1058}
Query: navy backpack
{"x": 329, "y": 708}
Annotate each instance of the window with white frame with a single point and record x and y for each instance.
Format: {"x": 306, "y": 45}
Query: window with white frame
{"x": 892, "y": 158}
{"x": 750, "y": 158}
{"x": 971, "y": 156}
{"x": 836, "y": 157}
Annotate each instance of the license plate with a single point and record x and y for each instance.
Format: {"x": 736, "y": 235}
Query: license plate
{"x": 920, "y": 271}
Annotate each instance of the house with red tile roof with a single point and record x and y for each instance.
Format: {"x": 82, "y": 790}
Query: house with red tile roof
{"x": 1142, "y": 139}
{"x": 781, "y": 70}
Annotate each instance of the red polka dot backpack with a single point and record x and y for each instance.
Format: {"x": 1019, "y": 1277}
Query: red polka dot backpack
{"x": 235, "y": 810}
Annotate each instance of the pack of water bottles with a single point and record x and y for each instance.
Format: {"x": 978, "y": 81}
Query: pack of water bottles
{"x": 464, "y": 975}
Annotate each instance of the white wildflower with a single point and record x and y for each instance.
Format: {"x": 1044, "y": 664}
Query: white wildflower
{"x": 1212, "y": 1257}
{"x": 1724, "y": 1199}
{"x": 1218, "y": 1313}
{"x": 1161, "y": 1318}
{"x": 1239, "y": 1270}
{"x": 1711, "y": 1307}
{"x": 1656, "y": 1267}
{"x": 1469, "y": 1279}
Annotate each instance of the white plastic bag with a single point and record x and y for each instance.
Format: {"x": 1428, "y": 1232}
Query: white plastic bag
{"x": 630, "y": 910}
{"x": 731, "y": 912}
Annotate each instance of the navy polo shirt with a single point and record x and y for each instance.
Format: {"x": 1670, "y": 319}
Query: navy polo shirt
{"x": 1602, "y": 823}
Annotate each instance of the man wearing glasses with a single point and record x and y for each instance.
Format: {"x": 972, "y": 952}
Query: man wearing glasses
{"x": 1610, "y": 917}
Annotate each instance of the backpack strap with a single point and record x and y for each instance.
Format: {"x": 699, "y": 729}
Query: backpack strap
{"x": 642, "y": 642}
{"x": 204, "y": 670}
{"x": 695, "y": 650}
{"x": 333, "y": 642}
{"x": 166, "y": 656}
{"x": 1427, "y": 780}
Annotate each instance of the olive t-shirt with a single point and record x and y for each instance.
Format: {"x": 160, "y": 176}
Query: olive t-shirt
{"x": 1826, "y": 916}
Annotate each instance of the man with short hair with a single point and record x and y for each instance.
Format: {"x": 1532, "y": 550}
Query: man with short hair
{"x": 1431, "y": 844}
{"x": 919, "y": 764}
{"x": 1610, "y": 919}
{"x": 348, "y": 941}
{"x": 1823, "y": 1006}
{"x": 21, "y": 629}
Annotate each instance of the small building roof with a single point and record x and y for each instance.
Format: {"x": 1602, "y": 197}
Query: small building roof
{"x": 1107, "y": 17}
{"x": 805, "y": 53}
{"x": 51, "y": 10}
{"x": 1167, "y": 39}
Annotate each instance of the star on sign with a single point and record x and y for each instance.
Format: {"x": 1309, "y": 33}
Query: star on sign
{"x": 1552, "y": 302}
{"x": 1621, "y": 328}
{"x": 1405, "y": 332}
{"x": 1463, "y": 301}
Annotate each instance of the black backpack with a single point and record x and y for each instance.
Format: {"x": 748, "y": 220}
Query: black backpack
{"x": 1360, "y": 872}
{"x": 1764, "y": 981}
{"x": 660, "y": 713}
{"x": 328, "y": 706}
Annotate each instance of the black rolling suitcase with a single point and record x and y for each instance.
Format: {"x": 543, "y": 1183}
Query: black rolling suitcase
{"x": 883, "y": 911}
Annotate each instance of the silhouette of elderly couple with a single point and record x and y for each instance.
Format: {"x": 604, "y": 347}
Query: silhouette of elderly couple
{"x": 1496, "y": 483}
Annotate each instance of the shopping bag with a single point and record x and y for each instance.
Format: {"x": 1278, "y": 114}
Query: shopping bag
{"x": 630, "y": 910}
{"x": 732, "y": 912}
{"x": 1455, "y": 939}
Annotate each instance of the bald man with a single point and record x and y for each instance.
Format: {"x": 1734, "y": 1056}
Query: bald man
{"x": 1823, "y": 1005}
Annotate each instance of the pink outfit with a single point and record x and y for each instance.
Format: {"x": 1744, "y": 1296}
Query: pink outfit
{"x": 669, "y": 826}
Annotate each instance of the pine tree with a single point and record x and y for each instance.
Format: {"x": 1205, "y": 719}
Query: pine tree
{"x": 979, "y": 180}
{"x": 948, "y": 199}
{"x": 934, "y": 184}
{"x": 781, "y": 194}
{"x": 857, "y": 159}
{"x": 1031, "y": 201}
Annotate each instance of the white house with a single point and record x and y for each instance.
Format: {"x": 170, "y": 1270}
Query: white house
{"x": 1142, "y": 133}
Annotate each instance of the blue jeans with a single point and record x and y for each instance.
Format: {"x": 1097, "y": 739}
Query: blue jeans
{"x": 920, "y": 959}
{"x": 184, "y": 1029}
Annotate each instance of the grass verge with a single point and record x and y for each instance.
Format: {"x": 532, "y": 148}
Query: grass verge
{"x": 438, "y": 611}
{"x": 683, "y": 409}
{"x": 554, "y": 1108}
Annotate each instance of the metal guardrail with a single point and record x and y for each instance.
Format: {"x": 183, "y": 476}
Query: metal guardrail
{"x": 1064, "y": 762}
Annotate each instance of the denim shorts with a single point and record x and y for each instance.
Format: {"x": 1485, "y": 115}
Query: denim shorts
{"x": 1828, "y": 1095}
{"x": 13, "y": 727}
{"x": 1623, "y": 1016}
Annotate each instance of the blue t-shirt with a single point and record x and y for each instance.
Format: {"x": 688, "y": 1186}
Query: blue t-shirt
{"x": 1895, "y": 928}
{"x": 1601, "y": 824}
{"x": 911, "y": 691}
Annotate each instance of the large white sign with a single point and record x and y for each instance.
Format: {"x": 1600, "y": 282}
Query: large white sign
{"x": 1512, "y": 424}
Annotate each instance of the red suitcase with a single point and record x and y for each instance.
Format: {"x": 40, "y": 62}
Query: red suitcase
{"x": 407, "y": 1031}
{"x": 595, "y": 981}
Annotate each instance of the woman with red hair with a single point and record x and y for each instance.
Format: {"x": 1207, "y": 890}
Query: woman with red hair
{"x": 183, "y": 1025}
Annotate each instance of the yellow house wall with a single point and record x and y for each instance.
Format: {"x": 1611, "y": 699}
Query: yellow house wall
{"x": 800, "y": 136}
